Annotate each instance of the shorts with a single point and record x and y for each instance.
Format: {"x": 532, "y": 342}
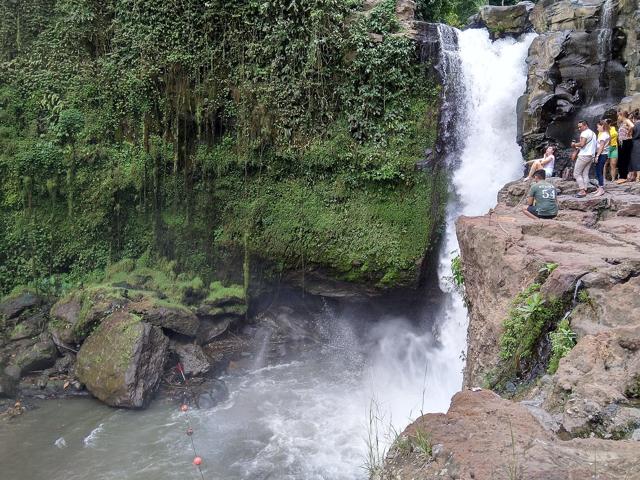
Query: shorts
{"x": 533, "y": 210}
{"x": 613, "y": 152}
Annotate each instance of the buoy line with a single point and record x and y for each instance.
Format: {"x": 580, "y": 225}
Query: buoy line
{"x": 184, "y": 408}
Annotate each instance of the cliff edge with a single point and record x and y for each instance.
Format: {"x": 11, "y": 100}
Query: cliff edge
{"x": 552, "y": 382}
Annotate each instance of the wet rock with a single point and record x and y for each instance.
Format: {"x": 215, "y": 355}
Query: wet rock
{"x": 8, "y": 385}
{"x": 192, "y": 358}
{"x": 65, "y": 314}
{"x": 176, "y": 318}
{"x": 211, "y": 329}
{"x": 76, "y": 315}
{"x": 39, "y": 356}
{"x": 29, "y": 327}
{"x": 122, "y": 360}
{"x": 216, "y": 392}
{"x": 13, "y": 306}
{"x": 506, "y": 21}
{"x": 575, "y": 72}
{"x": 65, "y": 364}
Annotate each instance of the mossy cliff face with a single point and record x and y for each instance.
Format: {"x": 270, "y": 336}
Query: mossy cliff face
{"x": 122, "y": 360}
{"x": 282, "y": 132}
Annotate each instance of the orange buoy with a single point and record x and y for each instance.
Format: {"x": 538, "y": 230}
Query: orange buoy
{"x": 197, "y": 461}
{"x": 184, "y": 407}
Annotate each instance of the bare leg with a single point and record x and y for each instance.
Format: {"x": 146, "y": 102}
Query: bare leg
{"x": 534, "y": 166}
{"x": 613, "y": 169}
{"x": 529, "y": 214}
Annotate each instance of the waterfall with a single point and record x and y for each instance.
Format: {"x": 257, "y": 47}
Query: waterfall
{"x": 485, "y": 157}
{"x": 605, "y": 34}
{"x": 308, "y": 415}
{"x": 605, "y": 37}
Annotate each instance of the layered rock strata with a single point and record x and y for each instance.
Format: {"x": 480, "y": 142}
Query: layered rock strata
{"x": 585, "y": 417}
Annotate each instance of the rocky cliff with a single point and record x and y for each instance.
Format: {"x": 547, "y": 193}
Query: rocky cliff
{"x": 583, "y": 65}
{"x": 517, "y": 273}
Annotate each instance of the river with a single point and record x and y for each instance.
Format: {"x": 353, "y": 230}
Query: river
{"x": 334, "y": 407}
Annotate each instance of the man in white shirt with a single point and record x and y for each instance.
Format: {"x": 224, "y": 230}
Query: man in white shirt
{"x": 587, "y": 146}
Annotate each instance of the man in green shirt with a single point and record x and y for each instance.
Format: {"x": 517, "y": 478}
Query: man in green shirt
{"x": 541, "y": 198}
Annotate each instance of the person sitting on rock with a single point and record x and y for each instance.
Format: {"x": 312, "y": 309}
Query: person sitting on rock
{"x": 541, "y": 199}
{"x": 547, "y": 162}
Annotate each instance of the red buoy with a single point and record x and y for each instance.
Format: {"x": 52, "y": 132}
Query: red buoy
{"x": 197, "y": 461}
{"x": 184, "y": 407}
{"x": 189, "y": 431}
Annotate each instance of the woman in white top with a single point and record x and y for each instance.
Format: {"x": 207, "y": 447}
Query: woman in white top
{"x": 604, "y": 138}
{"x": 546, "y": 163}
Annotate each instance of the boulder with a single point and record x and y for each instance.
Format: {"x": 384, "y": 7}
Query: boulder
{"x": 39, "y": 356}
{"x": 76, "y": 315}
{"x": 8, "y": 384}
{"x": 210, "y": 329}
{"x": 121, "y": 362}
{"x": 29, "y": 327}
{"x": 174, "y": 317}
{"x": 13, "y": 305}
{"x": 192, "y": 357}
{"x": 512, "y": 20}
{"x": 554, "y": 15}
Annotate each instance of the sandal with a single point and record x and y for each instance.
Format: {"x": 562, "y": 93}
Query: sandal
{"x": 621, "y": 181}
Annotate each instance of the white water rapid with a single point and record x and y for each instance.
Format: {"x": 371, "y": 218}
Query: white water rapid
{"x": 309, "y": 418}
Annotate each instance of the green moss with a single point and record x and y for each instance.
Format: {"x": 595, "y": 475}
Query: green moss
{"x": 18, "y": 331}
{"x": 530, "y": 319}
{"x": 563, "y": 339}
{"x": 633, "y": 389}
{"x": 308, "y": 150}
{"x": 220, "y": 293}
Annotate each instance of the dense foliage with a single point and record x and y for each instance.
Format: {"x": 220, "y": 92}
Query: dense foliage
{"x": 196, "y": 130}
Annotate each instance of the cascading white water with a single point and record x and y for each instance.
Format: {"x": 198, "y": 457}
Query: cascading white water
{"x": 605, "y": 34}
{"x": 486, "y": 157}
{"x": 308, "y": 419}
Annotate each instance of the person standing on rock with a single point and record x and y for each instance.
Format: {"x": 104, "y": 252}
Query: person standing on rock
{"x": 586, "y": 153}
{"x": 634, "y": 159}
{"x": 625, "y": 131}
{"x": 541, "y": 199}
{"x": 613, "y": 150}
{"x": 604, "y": 140}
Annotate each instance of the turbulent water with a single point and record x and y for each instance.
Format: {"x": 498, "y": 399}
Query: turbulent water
{"x": 308, "y": 417}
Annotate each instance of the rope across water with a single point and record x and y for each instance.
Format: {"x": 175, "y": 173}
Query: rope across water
{"x": 184, "y": 408}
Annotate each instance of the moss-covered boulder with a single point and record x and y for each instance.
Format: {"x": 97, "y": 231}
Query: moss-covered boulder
{"x": 122, "y": 360}
{"x": 74, "y": 316}
{"x": 164, "y": 314}
{"x": 14, "y": 305}
{"x": 40, "y": 355}
{"x": 223, "y": 302}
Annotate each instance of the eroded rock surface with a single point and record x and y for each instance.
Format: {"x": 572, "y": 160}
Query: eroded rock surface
{"x": 505, "y": 20}
{"x": 483, "y": 436}
{"x": 556, "y": 422}
{"x": 583, "y": 65}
